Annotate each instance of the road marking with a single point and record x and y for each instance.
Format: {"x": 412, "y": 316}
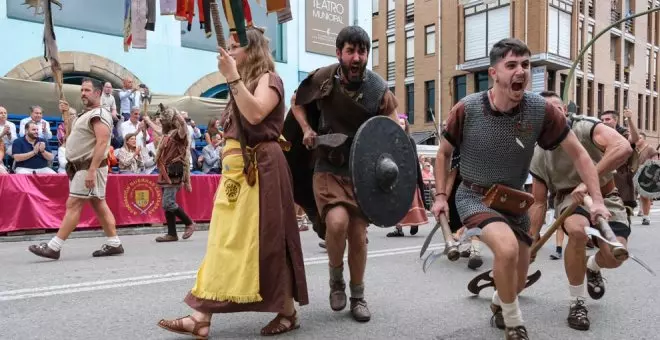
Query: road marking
{"x": 27, "y": 293}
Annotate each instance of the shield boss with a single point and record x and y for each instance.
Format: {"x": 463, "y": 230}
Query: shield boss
{"x": 383, "y": 169}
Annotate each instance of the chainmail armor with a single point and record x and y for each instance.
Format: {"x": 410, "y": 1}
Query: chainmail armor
{"x": 490, "y": 154}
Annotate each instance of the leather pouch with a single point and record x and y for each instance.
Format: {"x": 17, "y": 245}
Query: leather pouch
{"x": 507, "y": 200}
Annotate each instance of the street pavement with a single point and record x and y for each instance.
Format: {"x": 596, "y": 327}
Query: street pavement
{"x": 80, "y": 297}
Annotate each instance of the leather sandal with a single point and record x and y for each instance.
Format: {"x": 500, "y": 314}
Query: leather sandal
{"x": 276, "y": 327}
{"x": 176, "y": 326}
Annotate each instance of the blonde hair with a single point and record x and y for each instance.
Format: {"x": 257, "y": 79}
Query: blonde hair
{"x": 259, "y": 59}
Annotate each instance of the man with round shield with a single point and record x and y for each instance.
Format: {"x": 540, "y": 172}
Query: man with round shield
{"x": 342, "y": 97}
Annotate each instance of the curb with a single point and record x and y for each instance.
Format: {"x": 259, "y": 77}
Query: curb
{"x": 121, "y": 231}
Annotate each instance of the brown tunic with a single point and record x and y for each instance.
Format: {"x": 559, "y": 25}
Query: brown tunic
{"x": 280, "y": 252}
{"x": 343, "y": 112}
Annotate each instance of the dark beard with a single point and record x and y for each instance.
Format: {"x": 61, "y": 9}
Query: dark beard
{"x": 353, "y": 82}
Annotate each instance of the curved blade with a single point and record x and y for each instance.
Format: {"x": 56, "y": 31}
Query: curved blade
{"x": 428, "y": 261}
{"x": 641, "y": 263}
{"x": 427, "y": 242}
{"x": 474, "y": 286}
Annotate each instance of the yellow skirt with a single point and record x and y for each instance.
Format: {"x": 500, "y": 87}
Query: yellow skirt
{"x": 230, "y": 269}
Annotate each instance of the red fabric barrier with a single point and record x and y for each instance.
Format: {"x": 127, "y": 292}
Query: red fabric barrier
{"x": 38, "y": 201}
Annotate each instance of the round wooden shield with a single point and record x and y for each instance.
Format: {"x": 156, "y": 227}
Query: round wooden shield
{"x": 647, "y": 179}
{"x": 384, "y": 171}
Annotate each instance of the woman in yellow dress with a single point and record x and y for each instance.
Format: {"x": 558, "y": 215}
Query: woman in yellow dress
{"x": 253, "y": 260}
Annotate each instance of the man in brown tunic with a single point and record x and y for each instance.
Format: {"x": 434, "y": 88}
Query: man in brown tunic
{"x": 344, "y": 95}
{"x": 644, "y": 153}
{"x": 625, "y": 173}
{"x": 87, "y": 168}
{"x": 552, "y": 170}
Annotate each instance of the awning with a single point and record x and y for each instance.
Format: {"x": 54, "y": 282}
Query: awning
{"x": 422, "y": 136}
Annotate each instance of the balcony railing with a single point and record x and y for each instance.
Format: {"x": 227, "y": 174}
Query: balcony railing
{"x": 617, "y": 72}
{"x": 391, "y": 71}
{"x": 648, "y": 82}
{"x": 589, "y": 60}
{"x": 410, "y": 67}
{"x": 630, "y": 26}
{"x": 391, "y": 19}
{"x": 410, "y": 12}
{"x": 591, "y": 11}
{"x": 615, "y": 16}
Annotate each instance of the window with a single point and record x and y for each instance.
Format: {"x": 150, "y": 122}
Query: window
{"x": 639, "y": 110}
{"x": 578, "y": 95}
{"x": 374, "y": 7}
{"x": 410, "y": 102}
{"x": 391, "y": 54}
{"x": 562, "y": 84}
{"x": 430, "y": 39}
{"x": 460, "y": 88}
{"x": 616, "y": 99}
{"x": 487, "y": 25}
{"x": 559, "y": 30}
{"x": 552, "y": 79}
{"x": 647, "y": 121}
{"x": 390, "y": 5}
{"x": 301, "y": 76}
{"x": 590, "y": 54}
{"x": 410, "y": 53}
{"x": 374, "y": 53}
{"x": 648, "y": 111}
{"x": 392, "y": 89}
{"x": 429, "y": 102}
{"x": 652, "y": 113}
{"x": 196, "y": 37}
{"x": 77, "y": 14}
{"x": 410, "y": 44}
{"x": 628, "y": 54}
{"x": 481, "y": 81}
{"x": 590, "y": 97}
{"x": 601, "y": 98}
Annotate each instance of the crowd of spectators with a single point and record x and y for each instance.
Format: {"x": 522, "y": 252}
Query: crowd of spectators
{"x": 33, "y": 147}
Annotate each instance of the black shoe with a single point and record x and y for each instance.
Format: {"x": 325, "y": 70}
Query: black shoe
{"x": 497, "y": 318}
{"x": 555, "y": 256}
{"x": 44, "y": 250}
{"x": 577, "y": 316}
{"x": 595, "y": 284}
{"x": 414, "y": 230}
{"x": 475, "y": 261}
{"x": 396, "y": 233}
{"x": 516, "y": 333}
{"x": 107, "y": 250}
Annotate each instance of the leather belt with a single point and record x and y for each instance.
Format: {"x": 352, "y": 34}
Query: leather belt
{"x": 84, "y": 165}
{"x": 605, "y": 190}
{"x": 476, "y": 187}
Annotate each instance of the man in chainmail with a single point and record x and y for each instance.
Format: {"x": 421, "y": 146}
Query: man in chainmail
{"x": 496, "y": 131}
{"x": 553, "y": 171}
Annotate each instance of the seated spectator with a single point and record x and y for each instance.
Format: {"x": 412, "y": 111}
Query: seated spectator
{"x": 210, "y": 157}
{"x": 36, "y": 116}
{"x": 129, "y": 156}
{"x": 61, "y": 151}
{"x": 7, "y": 130}
{"x": 134, "y": 126}
{"x": 112, "y": 159}
{"x": 211, "y": 130}
{"x": 61, "y": 156}
{"x": 3, "y": 169}
{"x": 149, "y": 156}
{"x": 31, "y": 153}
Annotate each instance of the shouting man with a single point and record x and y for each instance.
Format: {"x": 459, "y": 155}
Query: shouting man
{"x": 87, "y": 167}
{"x": 495, "y": 131}
{"x": 344, "y": 96}
{"x": 553, "y": 170}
